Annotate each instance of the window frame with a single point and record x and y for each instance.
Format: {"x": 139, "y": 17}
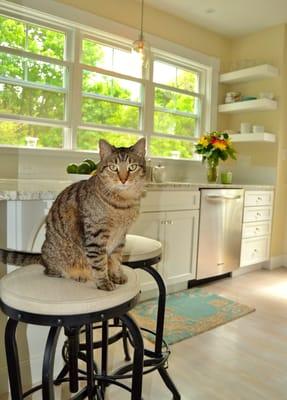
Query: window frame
{"x": 87, "y": 25}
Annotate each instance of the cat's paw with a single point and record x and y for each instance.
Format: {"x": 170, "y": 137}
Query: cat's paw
{"x": 119, "y": 279}
{"x": 106, "y": 284}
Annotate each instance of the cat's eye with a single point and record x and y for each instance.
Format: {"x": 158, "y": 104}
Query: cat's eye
{"x": 132, "y": 167}
{"x": 113, "y": 167}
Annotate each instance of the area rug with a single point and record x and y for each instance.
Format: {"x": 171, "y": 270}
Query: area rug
{"x": 189, "y": 313}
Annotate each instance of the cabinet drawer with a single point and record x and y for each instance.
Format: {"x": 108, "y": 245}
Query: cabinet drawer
{"x": 258, "y": 198}
{"x": 253, "y": 229}
{"x": 252, "y": 214}
{"x": 254, "y": 251}
{"x": 170, "y": 200}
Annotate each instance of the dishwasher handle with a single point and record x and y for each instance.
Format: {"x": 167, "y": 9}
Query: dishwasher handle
{"x": 219, "y": 197}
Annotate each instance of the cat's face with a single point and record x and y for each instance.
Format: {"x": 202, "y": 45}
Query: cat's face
{"x": 122, "y": 168}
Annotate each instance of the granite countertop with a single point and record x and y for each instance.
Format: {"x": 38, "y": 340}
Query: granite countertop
{"x": 36, "y": 189}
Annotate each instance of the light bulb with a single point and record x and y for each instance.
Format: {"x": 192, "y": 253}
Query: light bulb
{"x": 141, "y": 49}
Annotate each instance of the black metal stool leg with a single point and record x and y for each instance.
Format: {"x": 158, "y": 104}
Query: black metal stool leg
{"x": 169, "y": 383}
{"x": 73, "y": 349}
{"x": 137, "y": 370}
{"x": 13, "y": 360}
{"x": 159, "y": 328}
{"x": 126, "y": 344}
{"x": 90, "y": 362}
{"x": 104, "y": 363}
{"x": 48, "y": 364}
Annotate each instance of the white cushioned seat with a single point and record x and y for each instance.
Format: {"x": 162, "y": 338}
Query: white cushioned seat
{"x": 29, "y": 289}
{"x": 139, "y": 248}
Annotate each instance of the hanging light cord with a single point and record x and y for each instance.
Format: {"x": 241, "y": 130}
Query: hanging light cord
{"x": 142, "y": 11}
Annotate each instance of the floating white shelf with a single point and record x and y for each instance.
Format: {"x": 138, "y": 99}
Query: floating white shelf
{"x": 253, "y": 137}
{"x": 248, "y": 105}
{"x": 248, "y": 74}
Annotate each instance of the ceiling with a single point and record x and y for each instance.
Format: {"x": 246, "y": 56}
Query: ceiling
{"x": 228, "y": 17}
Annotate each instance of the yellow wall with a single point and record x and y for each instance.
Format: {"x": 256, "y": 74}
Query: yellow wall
{"x": 267, "y": 46}
{"x": 157, "y": 23}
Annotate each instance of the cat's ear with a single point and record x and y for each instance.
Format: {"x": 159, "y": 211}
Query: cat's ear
{"x": 139, "y": 147}
{"x": 106, "y": 149}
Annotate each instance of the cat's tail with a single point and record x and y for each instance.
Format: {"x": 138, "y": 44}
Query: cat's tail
{"x": 20, "y": 258}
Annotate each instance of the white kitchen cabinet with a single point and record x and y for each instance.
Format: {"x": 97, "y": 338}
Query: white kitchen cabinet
{"x": 256, "y": 230}
{"x": 178, "y": 233}
{"x": 171, "y": 217}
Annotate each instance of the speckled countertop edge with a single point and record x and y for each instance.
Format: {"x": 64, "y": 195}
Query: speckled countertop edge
{"x": 29, "y": 189}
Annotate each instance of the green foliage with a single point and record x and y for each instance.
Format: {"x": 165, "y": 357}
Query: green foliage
{"x": 89, "y": 140}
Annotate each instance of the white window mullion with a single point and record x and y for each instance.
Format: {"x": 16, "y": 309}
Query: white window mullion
{"x": 113, "y": 74}
{"x": 74, "y": 94}
{"x": 32, "y": 120}
{"x": 148, "y": 105}
{"x": 32, "y": 56}
{"x": 109, "y": 99}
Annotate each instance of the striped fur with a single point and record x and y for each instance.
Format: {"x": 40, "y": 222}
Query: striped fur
{"x": 20, "y": 258}
{"x": 87, "y": 223}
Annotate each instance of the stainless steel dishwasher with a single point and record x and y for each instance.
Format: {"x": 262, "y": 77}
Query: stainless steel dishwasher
{"x": 220, "y": 226}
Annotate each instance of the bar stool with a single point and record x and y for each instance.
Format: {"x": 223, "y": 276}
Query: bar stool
{"x": 144, "y": 253}
{"x": 139, "y": 253}
{"x": 30, "y": 296}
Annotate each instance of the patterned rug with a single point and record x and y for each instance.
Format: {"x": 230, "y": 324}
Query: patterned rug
{"x": 189, "y": 313}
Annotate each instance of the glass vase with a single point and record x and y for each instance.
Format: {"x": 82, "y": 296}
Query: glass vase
{"x": 212, "y": 171}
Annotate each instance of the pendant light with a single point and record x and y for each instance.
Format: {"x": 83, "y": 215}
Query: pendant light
{"x": 141, "y": 46}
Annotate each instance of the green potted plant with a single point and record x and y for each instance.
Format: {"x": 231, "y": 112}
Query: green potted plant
{"x": 213, "y": 147}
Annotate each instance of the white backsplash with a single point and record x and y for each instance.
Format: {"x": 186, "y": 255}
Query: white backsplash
{"x": 51, "y": 164}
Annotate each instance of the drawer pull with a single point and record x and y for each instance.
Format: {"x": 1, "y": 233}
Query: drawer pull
{"x": 259, "y": 198}
{"x": 258, "y": 214}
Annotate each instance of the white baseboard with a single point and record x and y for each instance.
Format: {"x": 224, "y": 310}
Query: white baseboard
{"x": 245, "y": 270}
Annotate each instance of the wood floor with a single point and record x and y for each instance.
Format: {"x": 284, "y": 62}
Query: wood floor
{"x": 245, "y": 359}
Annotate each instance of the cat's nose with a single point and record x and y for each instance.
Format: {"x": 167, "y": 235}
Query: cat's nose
{"x": 123, "y": 177}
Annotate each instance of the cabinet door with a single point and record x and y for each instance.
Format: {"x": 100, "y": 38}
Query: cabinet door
{"x": 180, "y": 246}
{"x": 149, "y": 225}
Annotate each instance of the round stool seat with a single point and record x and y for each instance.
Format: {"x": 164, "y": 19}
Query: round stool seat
{"x": 138, "y": 248}
{"x": 28, "y": 289}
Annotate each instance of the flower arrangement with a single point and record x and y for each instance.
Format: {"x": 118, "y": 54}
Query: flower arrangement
{"x": 215, "y": 146}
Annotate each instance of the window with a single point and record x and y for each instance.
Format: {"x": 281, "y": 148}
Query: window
{"x": 176, "y": 110}
{"x": 68, "y": 88}
{"x": 111, "y": 100}
{"x": 33, "y": 90}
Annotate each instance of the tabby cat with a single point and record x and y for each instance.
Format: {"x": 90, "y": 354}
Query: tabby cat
{"x": 87, "y": 223}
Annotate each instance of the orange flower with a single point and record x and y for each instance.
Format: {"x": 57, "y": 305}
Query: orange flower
{"x": 220, "y": 144}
